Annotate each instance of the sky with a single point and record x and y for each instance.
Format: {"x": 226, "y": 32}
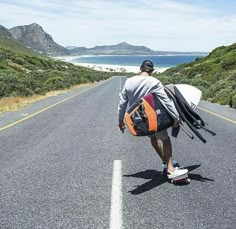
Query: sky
{"x": 162, "y": 25}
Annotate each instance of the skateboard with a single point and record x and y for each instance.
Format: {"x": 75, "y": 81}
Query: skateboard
{"x": 183, "y": 179}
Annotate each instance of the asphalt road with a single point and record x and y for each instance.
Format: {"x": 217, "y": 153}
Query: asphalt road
{"x": 56, "y": 169}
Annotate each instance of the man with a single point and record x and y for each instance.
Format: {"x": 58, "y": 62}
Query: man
{"x": 134, "y": 89}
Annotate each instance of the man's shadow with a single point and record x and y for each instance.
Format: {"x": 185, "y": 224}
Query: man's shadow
{"x": 157, "y": 178}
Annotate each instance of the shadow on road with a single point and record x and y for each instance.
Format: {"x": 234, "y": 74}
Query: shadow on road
{"x": 157, "y": 178}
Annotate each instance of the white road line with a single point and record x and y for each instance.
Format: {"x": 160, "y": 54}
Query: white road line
{"x": 48, "y": 107}
{"x": 120, "y": 84}
{"x": 116, "y": 197}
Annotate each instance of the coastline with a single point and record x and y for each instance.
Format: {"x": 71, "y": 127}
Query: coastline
{"x": 107, "y": 67}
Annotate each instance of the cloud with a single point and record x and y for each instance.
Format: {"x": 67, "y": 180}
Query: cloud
{"x": 160, "y": 25}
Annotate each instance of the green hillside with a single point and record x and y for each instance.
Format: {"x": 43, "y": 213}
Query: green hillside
{"x": 25, "y": 73}
{"x": 11, "y": 44}
{"x": 214, "y": 74}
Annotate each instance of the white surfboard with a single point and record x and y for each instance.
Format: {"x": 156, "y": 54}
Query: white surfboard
{"x": 191, "y": 94}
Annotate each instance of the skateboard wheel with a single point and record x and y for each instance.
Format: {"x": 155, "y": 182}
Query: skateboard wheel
{"x": 188, "y": 180}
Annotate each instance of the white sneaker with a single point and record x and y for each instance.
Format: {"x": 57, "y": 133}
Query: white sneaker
{"x": 176, "y": 173}
{"x": 175, "y": 164}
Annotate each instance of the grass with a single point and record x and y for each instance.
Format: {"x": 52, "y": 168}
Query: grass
{"x": 8, "y": 104}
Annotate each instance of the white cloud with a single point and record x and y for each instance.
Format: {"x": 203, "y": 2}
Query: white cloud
{"x": 160, "y": 25}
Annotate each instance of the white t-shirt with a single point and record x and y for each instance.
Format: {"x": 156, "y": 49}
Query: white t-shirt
{"x": 138, "y": 86}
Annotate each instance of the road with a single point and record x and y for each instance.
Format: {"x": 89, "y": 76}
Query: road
{"x": 69, "y": 167}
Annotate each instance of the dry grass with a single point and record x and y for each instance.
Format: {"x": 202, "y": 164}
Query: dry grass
{"x": 15, "y": 103}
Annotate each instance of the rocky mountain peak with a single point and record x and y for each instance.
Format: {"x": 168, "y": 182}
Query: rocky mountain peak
{"x": 4, "y": 33}
{"x": 36, "y": 38}
{"x": 123, "y": 44}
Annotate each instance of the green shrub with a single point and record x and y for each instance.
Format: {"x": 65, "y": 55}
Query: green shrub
{"x": 224, "y": 96}
{"x": 233, "y": 101}
{"x": 54, "y": 83}
{"x": 229, "y": 62}
{"x": 14, "y": 85}
{"x": 19, "y": 60}
{"x": 3, "y": 89}
{"x": 215, "y": 88}
{"x": 3, "y": 66}
{"x": 200, "y": 82}
{"x": 34, "y": 61}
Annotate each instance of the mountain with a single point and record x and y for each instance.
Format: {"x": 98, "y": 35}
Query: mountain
{"x": 214, "y": 74}
{"x": 79, "y": 51}
{"x": 120, "y": 49}
{"x": 24, "y": 72}
{"x": 34, "y": 37}
{"x": 4, "y": 33}
{"x": 7, "y": 42}
{"x": 70, "y": 47}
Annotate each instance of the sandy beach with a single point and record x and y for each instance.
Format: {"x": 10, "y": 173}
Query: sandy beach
{"x": 107, "y": 67}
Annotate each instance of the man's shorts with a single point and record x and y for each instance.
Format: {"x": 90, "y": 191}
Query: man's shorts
{"x": 162, "y": 135}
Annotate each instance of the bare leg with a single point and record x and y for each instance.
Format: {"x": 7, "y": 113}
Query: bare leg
{"x": 167, "y": 149}
{"x": 157, "y": 145}
{"x": 164, "y": 150}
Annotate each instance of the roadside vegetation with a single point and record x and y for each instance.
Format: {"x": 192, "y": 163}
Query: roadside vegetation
{"x": 14, "y": 103}
{"x": 214, "y": 74}
{"x": 25, "y": 74}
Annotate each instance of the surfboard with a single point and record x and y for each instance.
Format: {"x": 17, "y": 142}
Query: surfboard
{"x": 149, "y": 116}
{"x": 191, "y": 94}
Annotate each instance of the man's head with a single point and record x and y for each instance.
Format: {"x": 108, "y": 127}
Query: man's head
{"x": 147, "y": 66}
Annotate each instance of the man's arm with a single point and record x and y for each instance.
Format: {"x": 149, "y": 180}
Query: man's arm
{"x": 122, "y": 108}
{"x": 167, "y": 103}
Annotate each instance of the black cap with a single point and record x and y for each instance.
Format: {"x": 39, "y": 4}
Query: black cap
{"x": 147, "y": 65}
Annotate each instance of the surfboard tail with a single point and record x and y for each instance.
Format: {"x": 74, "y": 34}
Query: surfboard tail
{"x": 187, "y": 113}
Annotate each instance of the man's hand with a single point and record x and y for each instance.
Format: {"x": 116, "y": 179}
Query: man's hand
{"x": 176, "y": 124}
{"x": 121, "y": 126}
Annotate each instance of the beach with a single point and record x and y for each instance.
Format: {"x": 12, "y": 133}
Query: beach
{"x": 107, "y": 67}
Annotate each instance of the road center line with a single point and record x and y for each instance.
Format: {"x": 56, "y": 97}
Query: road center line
{"x": 116, "y": 196}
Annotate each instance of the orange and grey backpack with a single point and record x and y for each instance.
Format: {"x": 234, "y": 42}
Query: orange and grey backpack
{"x": 148, "y": 116}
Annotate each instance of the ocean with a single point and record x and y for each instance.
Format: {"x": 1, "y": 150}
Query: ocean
{"x": 161, "y": 61}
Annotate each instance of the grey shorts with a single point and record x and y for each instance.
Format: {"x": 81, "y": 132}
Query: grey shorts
{"x": 162, "y": 135}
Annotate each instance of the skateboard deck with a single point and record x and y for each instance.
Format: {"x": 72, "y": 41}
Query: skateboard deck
{"x": 183, "y": 179}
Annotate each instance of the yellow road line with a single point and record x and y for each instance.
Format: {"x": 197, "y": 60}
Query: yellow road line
{"x": 210, "y": 112}
{"x": 46, "y": 108}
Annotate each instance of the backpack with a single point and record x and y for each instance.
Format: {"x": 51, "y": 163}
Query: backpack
{"x": 148, "y": 116}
